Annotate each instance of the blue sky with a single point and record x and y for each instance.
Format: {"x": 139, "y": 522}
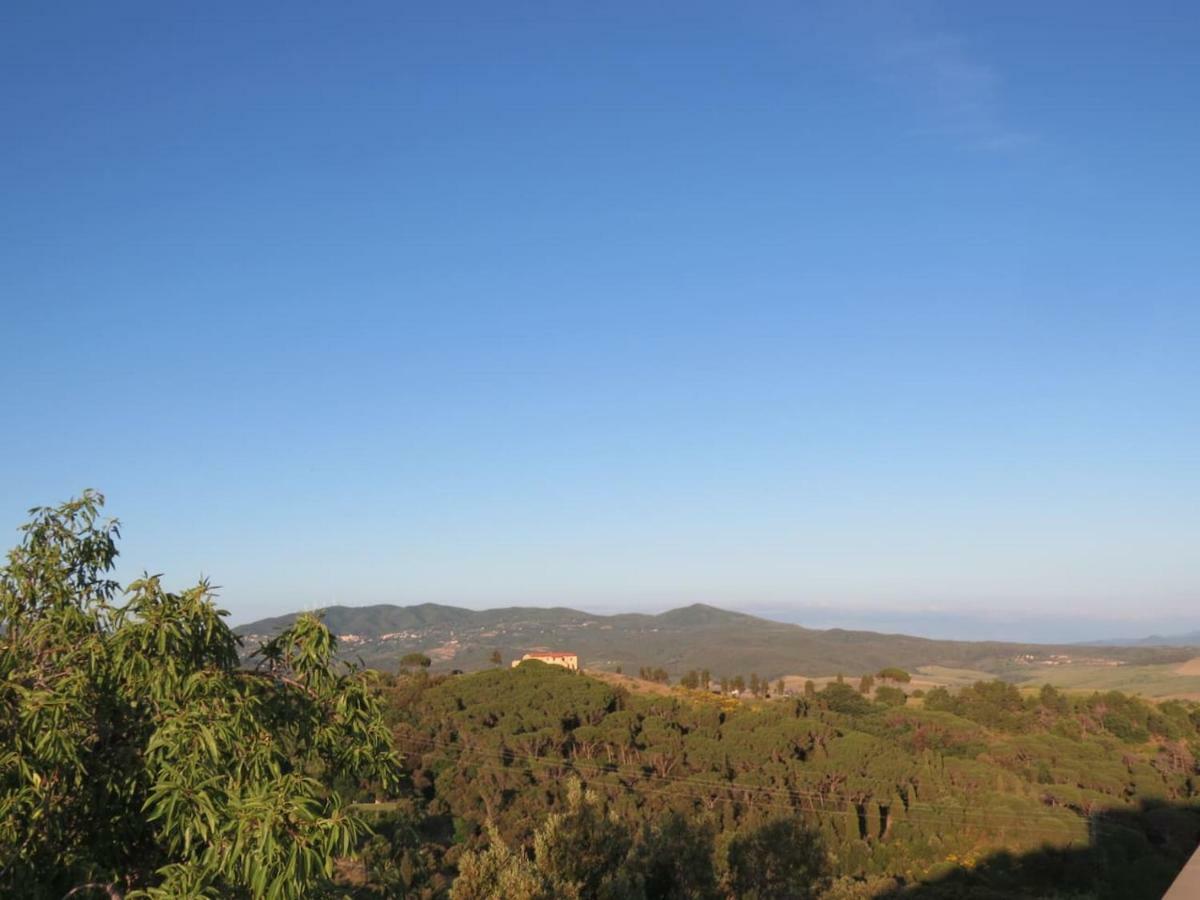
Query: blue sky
{"x": 852, "y": 306}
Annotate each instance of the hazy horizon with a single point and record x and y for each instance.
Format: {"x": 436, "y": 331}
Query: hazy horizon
{"x": 883, "y": 308}
{"x": 921, "y": 622}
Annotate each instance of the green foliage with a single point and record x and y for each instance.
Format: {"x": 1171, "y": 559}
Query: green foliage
{"x": 779, "y": 860}
{"x": 890, "y": 696}
{"x": 891, "y": 673}
{"x": 841, "y": 698}
{"x": 654, "y": 673}
{"x": 395, "y": 861}
{"x": 938, "y": 698}
{"x": 579, "y": 854}
{"x": 673, "y": 860}
{"x": 582, "y": 850}
{"x": 499, "y": 871}
{"x": 136, "y": 754}
{"x": 417, "y": 661}
{"x": 881, "y": 794}
{"x": 1053, "y": 700}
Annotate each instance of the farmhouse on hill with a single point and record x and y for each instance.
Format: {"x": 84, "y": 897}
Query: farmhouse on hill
{"x": 554, "y": 658}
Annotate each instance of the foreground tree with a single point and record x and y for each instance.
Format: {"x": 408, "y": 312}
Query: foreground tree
{"x": 582, "y": 849}
{"x": 579, "y": 854}
{"x": 673, "y": 860}
{"x": 499, "y": 871}
{"x": 586, "y": 852}
{"x": 779, "y": 860}
{"x": 138, "y": 757}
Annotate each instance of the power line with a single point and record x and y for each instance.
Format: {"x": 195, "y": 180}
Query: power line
{"x": 787, "y": 793}
{"x": 769, "y": 804}
{"x": 961, "y": 816}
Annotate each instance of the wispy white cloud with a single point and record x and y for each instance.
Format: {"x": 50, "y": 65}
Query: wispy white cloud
{"x": 960, "y": 94}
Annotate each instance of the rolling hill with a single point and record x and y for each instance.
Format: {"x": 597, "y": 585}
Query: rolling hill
{"x": 692, "y": 637}
{"x": 1190, "y": 639}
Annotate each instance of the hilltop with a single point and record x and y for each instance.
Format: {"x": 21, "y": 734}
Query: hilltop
{"x": 698, "y": 636}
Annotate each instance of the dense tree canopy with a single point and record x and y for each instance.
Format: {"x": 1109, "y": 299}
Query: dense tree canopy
{"x": 876, "y": 798}
{"x": 139, "y": 757}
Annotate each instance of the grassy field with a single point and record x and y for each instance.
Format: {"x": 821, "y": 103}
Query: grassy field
{"x": 924, "y": 678}
{"x": 1153, "y": 681}
{"x": 945, "y": 676}
{"x": 1157, "y": 682}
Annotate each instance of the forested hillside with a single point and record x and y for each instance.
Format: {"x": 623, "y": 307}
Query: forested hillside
{"x": 693, "y": 637}
{"x": 980, "y": 793}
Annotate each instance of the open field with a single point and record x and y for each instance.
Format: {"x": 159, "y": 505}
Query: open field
{"x": 1160, "y": 682}
{"x": 1191, "y": 667}
{"x": 926, "y": 677}
{"x": 923, "y": 678}
{"x": 1155, "y": 681}
{"x": 630, "y": 683}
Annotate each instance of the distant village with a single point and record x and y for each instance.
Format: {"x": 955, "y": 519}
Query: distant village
{"x": 1059, "y": 659}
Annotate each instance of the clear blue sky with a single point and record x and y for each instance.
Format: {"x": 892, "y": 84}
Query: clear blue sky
{"x": 613, "y": 305}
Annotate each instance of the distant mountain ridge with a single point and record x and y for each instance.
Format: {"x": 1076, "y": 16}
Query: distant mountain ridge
{"x": 698, "y": 636}
{"x": 1188, "y": 639}
{"x": 384, "y": 617}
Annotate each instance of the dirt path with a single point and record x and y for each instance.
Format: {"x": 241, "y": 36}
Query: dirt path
{"x": 1191, "y": 667}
